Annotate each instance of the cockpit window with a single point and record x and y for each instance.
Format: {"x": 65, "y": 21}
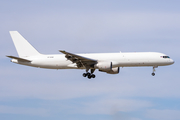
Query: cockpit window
{"x": 165, "y": 57}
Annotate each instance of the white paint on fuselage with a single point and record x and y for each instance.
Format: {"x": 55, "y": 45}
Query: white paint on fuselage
{"x": 118, "y": 60}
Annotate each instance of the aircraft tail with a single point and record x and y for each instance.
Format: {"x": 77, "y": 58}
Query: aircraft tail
{"x": 23, "y": 47}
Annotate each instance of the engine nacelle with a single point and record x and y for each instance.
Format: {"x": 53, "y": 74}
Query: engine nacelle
{"x": 114, "y": 71}
{"x": 107, "y": 67}
{"x": 104, "y": 66}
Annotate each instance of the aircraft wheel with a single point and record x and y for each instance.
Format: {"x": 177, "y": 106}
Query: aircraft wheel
{"x": 89, "y": 76}
{"x": 93, "y": 76}
{"x": 153, "y": 74}
{"x": 84, "y": 74}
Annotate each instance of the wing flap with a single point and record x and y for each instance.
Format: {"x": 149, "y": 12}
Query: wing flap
{"x": 19, "y": 59}
{"x": 78, "y": 56}
{"x": 79, "y": 60}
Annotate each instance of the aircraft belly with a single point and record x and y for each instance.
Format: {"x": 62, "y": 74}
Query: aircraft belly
{"x": 51, "y": 64}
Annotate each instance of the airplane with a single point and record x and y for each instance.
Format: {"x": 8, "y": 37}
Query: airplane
{"x": 104, "y": 62}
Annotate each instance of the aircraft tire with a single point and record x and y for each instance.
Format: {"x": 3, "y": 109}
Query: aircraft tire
{"x": 84, "y": 74}
{"x": 93, "y": 76}
{"x": 153, "y": 74}
{"x": 89, "y": 76}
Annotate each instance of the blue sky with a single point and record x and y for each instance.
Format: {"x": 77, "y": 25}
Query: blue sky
{"x": 89, "y": 27}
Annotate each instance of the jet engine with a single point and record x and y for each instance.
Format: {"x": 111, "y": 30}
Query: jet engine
{"x": 114, "y": 71}
{"x": 104, "y": 66}
{"x": 107, "y": 67}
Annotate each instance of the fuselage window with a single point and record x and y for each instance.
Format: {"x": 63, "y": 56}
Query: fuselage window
{"x": 165, "y": 57}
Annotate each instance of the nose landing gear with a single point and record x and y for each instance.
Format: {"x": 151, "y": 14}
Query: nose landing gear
{"x": 153, "y": 74}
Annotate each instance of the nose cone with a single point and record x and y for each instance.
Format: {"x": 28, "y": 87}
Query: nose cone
{"x": 171, "y": 61}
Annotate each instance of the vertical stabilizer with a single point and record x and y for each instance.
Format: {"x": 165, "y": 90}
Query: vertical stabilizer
{"x": 23, "y": 47}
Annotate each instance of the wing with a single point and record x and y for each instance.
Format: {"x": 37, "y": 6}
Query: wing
{"x": 19, "y": 59}
{"x": 79, "y": 60}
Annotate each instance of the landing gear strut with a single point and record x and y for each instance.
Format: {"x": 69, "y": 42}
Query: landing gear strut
{"x": 153, "y": 74}
{"x": 89, "y": 75}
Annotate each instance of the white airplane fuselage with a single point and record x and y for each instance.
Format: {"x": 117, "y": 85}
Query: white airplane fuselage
{"x": 118, "y": 60}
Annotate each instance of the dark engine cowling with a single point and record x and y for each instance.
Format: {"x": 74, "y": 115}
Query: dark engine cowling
{"x": 107, "y": 67}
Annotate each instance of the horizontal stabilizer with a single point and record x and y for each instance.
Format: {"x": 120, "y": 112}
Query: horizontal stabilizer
{"x": 19, "y": 59}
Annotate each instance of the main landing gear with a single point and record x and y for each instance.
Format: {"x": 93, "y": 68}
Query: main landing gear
{"x": 89, "y": 75}
{"x": 153, "y": 74}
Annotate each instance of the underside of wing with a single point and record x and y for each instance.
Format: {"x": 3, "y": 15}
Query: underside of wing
{"x": 79, "y": 60}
